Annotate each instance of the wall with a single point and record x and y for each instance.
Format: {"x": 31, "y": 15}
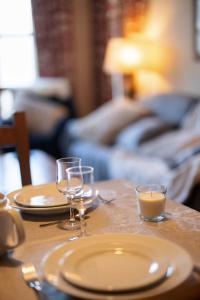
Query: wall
{"x": 53, "y": 22}
{"x": 72, "y": 36}
{"x": 63, "y": 35}
{"x": 170, "y": 23}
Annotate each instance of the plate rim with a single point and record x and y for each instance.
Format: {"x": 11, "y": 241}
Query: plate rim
{"x": 181, "y": 271}
{"x": 40, "y": 211}
{"x": 129, "y": 246}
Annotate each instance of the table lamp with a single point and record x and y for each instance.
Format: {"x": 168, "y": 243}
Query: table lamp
{"x": 125, "y": 56}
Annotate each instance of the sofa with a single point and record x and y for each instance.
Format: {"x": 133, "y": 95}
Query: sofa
{"x": 155, "y": 139}
{"x": 48, "y": 104}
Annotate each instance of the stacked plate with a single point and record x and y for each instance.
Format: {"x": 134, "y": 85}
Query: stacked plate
{"x": 40, "y": 199}
{"x": 117, "y": 266}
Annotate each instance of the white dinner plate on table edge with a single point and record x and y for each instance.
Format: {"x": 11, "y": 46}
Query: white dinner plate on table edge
{"x": 176, "y": 256}
{"x": 36, "y": 210}
{"x": 39, "y": 196}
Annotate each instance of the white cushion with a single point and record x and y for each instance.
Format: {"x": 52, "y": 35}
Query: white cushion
{"x": 107, "y": 121}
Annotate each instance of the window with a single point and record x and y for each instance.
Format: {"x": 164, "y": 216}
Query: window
{"x": 18, "y": 67}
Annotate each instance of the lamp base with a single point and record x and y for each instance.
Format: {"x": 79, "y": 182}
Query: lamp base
{"x": 129, "y": 86}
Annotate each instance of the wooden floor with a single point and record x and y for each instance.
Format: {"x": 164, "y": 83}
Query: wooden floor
{"x": 43, "y": 170}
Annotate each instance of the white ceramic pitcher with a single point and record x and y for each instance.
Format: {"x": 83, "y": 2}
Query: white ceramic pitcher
{"x": 12, "y": 232}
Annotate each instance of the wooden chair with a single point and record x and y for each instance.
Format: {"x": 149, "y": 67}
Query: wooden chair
{"x": 16, "y": 135}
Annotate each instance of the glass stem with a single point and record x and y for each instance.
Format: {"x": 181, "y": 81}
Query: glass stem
{"x": 82, "y": 222}
{"x": 71, "y": 211}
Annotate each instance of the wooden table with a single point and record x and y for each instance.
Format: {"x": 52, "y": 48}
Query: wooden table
{"x": 182, "y": 228}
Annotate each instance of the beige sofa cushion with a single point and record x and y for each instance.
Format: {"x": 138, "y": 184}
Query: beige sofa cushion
{"x": 103, "y": 125}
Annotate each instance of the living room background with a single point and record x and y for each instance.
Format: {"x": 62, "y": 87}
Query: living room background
{"x": 71, "y": 41}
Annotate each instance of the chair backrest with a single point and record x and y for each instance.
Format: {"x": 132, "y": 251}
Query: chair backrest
{"x": 16, "y": 135}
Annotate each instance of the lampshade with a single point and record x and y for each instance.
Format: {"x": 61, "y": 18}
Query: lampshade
{"x": 124, "y": 55}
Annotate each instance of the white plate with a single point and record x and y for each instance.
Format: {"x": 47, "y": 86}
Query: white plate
{"x": 40, "y": 211}
{"x": 37, "y": 210}
{"x": 39, "y": 196}
{"x": 178, "y": 258}
{"x": 114, "y": 266}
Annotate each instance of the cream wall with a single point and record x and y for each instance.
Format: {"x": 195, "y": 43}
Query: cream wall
{"x": 170, "y": 23}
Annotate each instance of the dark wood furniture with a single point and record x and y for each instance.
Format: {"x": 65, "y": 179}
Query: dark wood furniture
{"x": 16, "y": 135}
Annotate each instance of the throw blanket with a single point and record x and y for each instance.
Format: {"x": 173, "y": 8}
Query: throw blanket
{"x": 172, "y": 160}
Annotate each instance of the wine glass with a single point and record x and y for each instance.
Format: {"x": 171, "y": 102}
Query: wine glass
{"x": 80, "y": 184}
{"x": 61, "y": 185}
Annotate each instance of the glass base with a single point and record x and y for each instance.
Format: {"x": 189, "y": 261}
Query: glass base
{"x": 69, "y": 225}
{"x": 153, "y": 219}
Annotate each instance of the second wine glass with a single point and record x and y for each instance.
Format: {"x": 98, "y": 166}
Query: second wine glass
{"x": 61, "y": 185}
{"x": 80, "y": 182}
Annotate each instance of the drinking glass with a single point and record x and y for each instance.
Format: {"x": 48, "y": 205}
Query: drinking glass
{"x": 61, "y": 185}
{"x": 80, "y": 184}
